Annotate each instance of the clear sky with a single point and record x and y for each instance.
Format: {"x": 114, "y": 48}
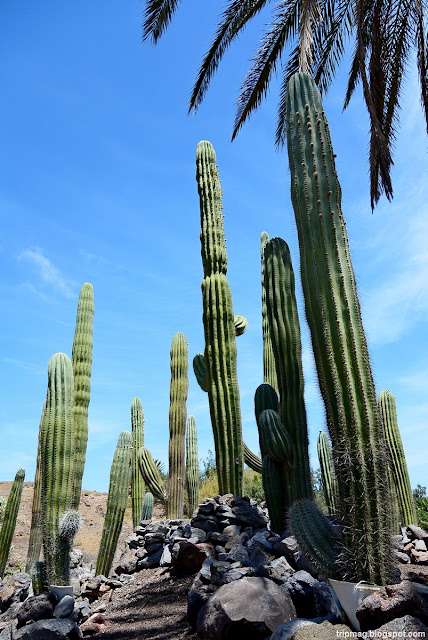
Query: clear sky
{"x": 97, "y": 184}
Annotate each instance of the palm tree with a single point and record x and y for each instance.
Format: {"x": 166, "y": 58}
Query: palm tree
{"x": 385, "y": 35}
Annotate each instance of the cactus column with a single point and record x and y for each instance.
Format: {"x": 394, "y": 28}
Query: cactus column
{"x": 35, "y": 540}
{"x": 398, "y": 465}
{"x": 329, "y": 484}
{"x": 9, "y": 520}
{"x": 137, "y": 484}
{"x": 339, "y": 344}
{"x": 56, "y": 457}
{"x": 192, "y": 465}
{"x": 81, "y": 359}
{"x": 269, "y": 371}
{"x": 219, "y": 329}
{"x": 120, "y": 480}
{"x": 177, "y": 425}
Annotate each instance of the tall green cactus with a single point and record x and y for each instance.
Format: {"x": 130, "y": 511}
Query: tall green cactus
{"x": 269, "y": 371}
{"x": 398, "y": 465}
{"x": 284, "y": 330}
{"x": 328, "y": 474}
{"x": 35, "y": 539}
{"x": 120, "y": 481}
{"x": 177, "y": 425}
{"x": 137, "y": 484}
{"x": 9, "y": 521}
{"x": 338, "y": 339}
{"x": 219, "y": 328}
{"x": 192, "y": 465}
{"x": 56, "y": 458}
{"x": 81, "y": 358}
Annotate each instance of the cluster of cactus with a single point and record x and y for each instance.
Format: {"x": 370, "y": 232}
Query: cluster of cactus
{"x": 120, "y": 482}
{"x": 338, "y": 339}
{"x": 8, "y": 520}
{"x": 221, "y": 381}
{"x": 137, "y": 482}
{"x": 63, "y": 435}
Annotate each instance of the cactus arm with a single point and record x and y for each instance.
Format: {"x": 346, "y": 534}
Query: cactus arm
{"x": 273, "y": 485}
{"x": 219, "y": 327}
{"x": 398, "y": 464}
{"x": 200, "y": 371}
{"x": 276, "y": 440}
{"x": 120, "y": 480}
{"x": 177, "y": 426}
{"x": 338, "y": 339}
{"x": 81, "y": 359}
{"x": 240, "y": 324}
{"x": 251, "y": 459}
{"x": 151, "y": 474}
{"x": 137, "y": 483}
{"x": 192, "y": 466}
{"x": 10, "y": 516}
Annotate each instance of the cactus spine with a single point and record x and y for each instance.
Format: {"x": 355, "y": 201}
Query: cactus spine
{"x": 398, "y": 465}
{"x": 329, "y": 484}
{"x": 192, "y": 466}
{"x": 120, "y": 480}
{"x": 137, "y": 484}
{"x": 339, "y": 344}
{"x": 219, "y": 328}
{"x": 9, "y": 520}
{"x": 56, "y": 456}
{"x": 147, "y": 511}
{"x": 81, "y": 358}
{"x": 315, "y": 536}
{"x": 269, "y": 371}
{"x": 177, "y": 425}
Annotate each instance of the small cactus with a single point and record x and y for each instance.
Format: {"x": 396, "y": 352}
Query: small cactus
{"x": 192, "y": 466}
{"x": 147, "y": 511}
{"x": 9, "y": 520}
{"x": 120, "y": 482}
{"x": 137, "y": 484}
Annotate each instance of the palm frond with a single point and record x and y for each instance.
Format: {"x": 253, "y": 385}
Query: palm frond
{"x": 422, "y": 54}
{"x": 330, "y": 38}
{"x": 157, "y": 16}
{"x": 233, "y": 20}
{"x": 265, "y": 62}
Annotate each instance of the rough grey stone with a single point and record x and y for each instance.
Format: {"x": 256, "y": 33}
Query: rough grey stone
{"x": 403, "y": 627}
{"x": 300, "y": 586}
{"x": 53, "y": 629}
{"x": 36, "y": 607}
{"x": 127, "y": 562}
{"x": 227, "y": 613}
{"x": 14, "y": 589}
{"x": 389, "y": 602}
{"x": 232, "y": 530}
{"x": 64, "y": 608}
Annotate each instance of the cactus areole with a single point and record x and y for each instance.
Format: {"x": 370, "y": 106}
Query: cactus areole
{"x": 338, "y": 339}
{"x": 219, "y": 328}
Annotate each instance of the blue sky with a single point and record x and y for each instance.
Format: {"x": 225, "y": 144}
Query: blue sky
{"x": 97, "y": 184}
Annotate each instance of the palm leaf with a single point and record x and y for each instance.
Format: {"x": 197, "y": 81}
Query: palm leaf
{"x": 157, "y": 16}
{"x": 265, "y": 62}
{"x": 233, "y": 20}
{"x": 422, "y": 54}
